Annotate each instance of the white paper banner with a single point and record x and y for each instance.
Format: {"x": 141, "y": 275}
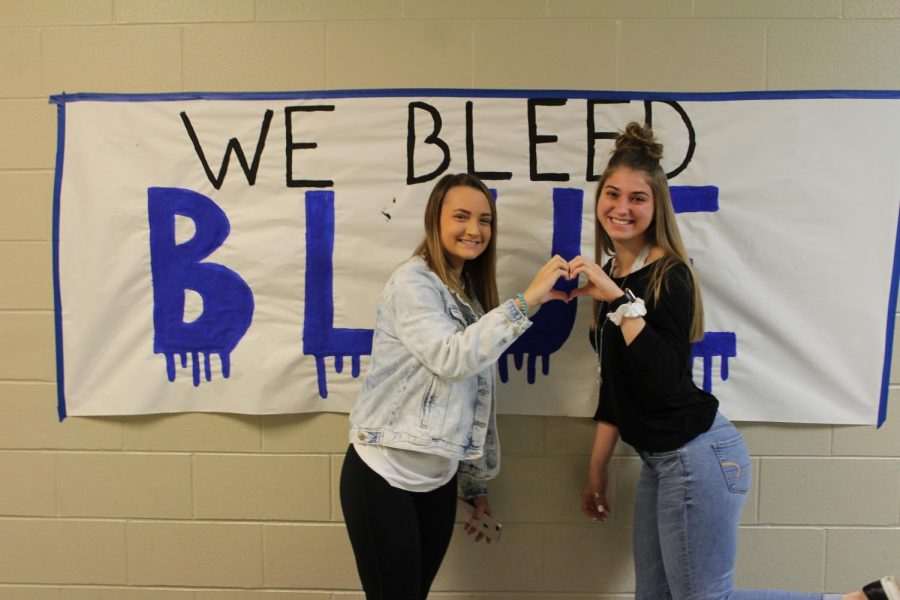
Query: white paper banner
{"x": 186, "y": 281}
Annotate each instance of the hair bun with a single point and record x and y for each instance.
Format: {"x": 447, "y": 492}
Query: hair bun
{"x": 639, "y": 138}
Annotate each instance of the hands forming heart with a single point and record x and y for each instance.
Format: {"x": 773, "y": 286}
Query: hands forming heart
{"x": 599, "y": 286}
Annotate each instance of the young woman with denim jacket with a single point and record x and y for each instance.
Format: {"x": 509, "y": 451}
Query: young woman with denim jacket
{"x": 424, "y": 423}
{"x": 696, "y": 470}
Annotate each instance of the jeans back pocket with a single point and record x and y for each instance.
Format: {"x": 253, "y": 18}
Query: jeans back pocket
{"x": 735, "y": 463}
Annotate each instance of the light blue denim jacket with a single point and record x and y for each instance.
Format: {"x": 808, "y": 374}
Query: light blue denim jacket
{"x": 430, "y": 384}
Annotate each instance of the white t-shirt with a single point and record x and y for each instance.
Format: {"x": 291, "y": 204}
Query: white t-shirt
{"x": 407, "y": 469}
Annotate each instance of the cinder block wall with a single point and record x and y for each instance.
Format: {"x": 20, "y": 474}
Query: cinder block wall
{"x": 216, "y": 507}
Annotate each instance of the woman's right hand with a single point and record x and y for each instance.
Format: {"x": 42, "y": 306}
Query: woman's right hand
{"x": 540, "y": 290}
{"x": 481, "y": 506}
{"x": 594, "y": 504}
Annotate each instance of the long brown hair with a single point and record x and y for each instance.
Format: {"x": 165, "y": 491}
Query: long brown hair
{"x": 479, "y": 275}
{"x": 637, "y": 149}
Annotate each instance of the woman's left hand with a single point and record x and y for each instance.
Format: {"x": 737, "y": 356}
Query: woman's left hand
{"x": 593, "y": 497}
{"x": 540, "y": 290}
{"x": 482, "y": 507}
{"x": 599, "y": 285}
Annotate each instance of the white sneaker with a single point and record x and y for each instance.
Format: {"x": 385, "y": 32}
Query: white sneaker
{"x": 885, "y": 588}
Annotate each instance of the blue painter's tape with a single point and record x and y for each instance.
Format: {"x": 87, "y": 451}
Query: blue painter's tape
{"x": 484, "y": 93}
{"x": 889, "y": 333}
{"x": 57, "y": 296}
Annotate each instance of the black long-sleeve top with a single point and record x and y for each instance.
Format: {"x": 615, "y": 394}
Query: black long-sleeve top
{"x": 647, "y": 391}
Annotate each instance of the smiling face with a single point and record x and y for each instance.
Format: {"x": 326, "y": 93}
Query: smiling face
{"x": 465, "y": 225}
{"x": 625, "y": 207}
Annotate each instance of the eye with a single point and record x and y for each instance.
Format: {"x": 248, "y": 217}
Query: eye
{"x": 485, "y": 221}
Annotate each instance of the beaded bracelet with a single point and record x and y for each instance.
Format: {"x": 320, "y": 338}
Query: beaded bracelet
{"x": 523, "y": 307}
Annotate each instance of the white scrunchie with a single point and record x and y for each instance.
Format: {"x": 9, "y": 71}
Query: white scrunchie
{"x": 629, "y": 309}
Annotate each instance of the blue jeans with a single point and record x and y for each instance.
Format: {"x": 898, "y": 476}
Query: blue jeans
{"x": 686, "y": 517}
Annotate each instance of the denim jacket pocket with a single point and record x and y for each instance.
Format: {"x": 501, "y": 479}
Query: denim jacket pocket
{"x": 454, "y": 311}
{"x": 433, "y": 409}
{"x": 735, "y": 464}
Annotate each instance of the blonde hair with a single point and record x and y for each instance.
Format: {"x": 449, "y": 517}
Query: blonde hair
{"x": 637, "y": 149}
{"x": 479, "y": 275}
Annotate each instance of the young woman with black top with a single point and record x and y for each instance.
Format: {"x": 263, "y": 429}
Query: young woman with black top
{"x": 696, "y": 469}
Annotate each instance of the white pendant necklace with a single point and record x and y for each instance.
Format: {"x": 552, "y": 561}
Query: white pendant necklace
{"x": 637, "y": 265}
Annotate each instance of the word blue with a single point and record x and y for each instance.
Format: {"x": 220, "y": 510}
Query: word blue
{"x": 553, "y": 323}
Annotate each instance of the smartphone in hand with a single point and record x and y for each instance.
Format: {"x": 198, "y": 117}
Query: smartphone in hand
{"x": 486, "y": 525}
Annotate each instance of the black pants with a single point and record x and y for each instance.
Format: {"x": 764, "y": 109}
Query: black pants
{"x": 399, "y": 538}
